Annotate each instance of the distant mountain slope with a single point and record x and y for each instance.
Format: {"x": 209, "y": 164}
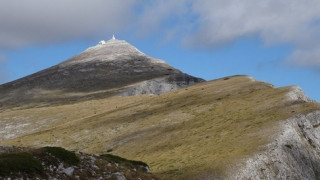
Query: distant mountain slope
{"x": 110, "y": 68}
{"x": 230, "y": 128}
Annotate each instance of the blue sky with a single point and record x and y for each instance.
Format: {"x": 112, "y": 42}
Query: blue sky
{"x": 276, "y": 42}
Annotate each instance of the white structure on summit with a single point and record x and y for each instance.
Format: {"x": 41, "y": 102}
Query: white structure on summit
{"x": 102, "y": 42}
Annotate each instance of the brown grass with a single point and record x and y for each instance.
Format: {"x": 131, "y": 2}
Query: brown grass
{"x": 180, "y": 134}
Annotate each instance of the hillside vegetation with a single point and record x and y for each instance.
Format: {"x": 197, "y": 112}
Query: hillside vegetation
{"x": 58, "y": 163}
{"x": 188, "y": 133}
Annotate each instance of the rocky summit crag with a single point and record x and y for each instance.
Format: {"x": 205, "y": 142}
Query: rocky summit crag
{"x": 114, "y": 67}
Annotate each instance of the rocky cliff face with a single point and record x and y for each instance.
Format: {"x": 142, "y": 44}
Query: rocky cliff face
{"x": 293, "y": 154}
{"x": 111, "y": 68}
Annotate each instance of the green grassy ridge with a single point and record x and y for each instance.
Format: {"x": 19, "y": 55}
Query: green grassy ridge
{"x": 19, "y": 162}
{"x": 29, "y": 161}
{"x": 34, "y": 163}
{"x": 65, "y": 156}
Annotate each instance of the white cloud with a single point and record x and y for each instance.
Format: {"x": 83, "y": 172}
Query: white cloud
{"x": 215, "y": 23}
{"x": 285, "y": 21}
{"x": 24, "y": 23}
{"x": 198, "y": 23}
{"x": 294, "y": 22}
{"x": 306, "y": 57}
{"x": 162, "y": 15}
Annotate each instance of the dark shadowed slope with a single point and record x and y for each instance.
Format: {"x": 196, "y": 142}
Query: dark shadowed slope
{"x": 114, "y": 67}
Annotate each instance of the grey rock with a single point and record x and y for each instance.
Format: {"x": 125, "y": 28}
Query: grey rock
{"x": 294, "y": 154}
{"x": 159, "y": 85}
{"x": 69, "y": 171}
{"x": 119, "y": 176}
{"x": 297, "y": 94}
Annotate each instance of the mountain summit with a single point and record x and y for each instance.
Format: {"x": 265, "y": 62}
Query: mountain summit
{"x": 112, "y": 67}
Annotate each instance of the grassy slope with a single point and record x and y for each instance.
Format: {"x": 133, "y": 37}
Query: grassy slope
{"x": 180, "y": 134}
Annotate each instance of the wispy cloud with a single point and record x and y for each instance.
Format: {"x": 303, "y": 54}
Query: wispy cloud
{"x": 293, "y": 22}
{"x": 214, "y": 23}
{"x": 162, "y": 16}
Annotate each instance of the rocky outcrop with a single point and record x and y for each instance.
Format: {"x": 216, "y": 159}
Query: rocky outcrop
{"x": 297, "y": 94}
{"x": 294, "y": 154}
{"x": 160, "y": 85}
{"x": 58, "y": 163}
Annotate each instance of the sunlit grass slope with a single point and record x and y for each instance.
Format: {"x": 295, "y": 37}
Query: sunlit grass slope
{"x": 181, "y": 134}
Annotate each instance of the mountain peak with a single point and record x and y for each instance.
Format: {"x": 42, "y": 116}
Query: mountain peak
{"x": 102, "y": 42}
{"x": 112, "y": 67}
{"x": 112, "y": 49}
{"x": 112, "y": 40}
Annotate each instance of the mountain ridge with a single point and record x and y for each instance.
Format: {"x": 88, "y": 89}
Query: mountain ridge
{"x": 198, "y": 132}
{"x": 113, "y": 98}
